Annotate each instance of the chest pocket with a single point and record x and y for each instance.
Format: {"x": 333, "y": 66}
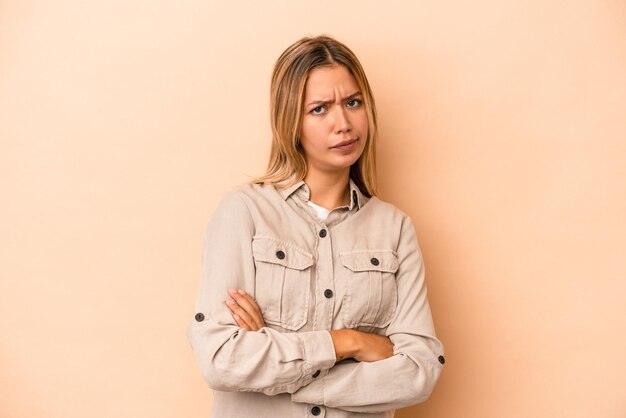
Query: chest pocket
{"x": 282, "y": 285}
{"x": 371, "y": 292}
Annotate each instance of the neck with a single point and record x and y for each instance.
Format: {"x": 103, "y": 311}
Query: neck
{"x": 330, "y": 190}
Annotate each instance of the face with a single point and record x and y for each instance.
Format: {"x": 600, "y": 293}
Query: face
{"x": 334, "y": 113}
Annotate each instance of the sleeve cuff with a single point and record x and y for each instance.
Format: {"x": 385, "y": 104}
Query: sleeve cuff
{"x": 319, "y": 351}
{"x": 320, "y": 355}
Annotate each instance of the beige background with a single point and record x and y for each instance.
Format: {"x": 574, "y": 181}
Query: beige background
{"x": 122, "y": 123}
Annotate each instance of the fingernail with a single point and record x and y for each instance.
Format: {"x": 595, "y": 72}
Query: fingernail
{"x": 242, "y": 292}
{"x": 231, "y": 290}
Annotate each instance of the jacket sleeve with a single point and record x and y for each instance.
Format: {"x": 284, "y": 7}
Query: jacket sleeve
{"x": 409, "y": 376}
{"x": 229, "y": 357}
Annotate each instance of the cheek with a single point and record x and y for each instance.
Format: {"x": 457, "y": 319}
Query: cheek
{"x": 363, "y": 122}
{"x": 312, "y": 139}
{"x": 314, "y": 133}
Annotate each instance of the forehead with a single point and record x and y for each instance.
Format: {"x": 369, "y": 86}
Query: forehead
{"x": 325, "y": 81}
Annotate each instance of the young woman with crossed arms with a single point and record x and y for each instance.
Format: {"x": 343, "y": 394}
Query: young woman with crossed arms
{"x": 313, "y": 296}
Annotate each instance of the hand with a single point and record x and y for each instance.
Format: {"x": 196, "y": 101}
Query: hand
{"x": 373, "y": 347}
{"x": 245, "y": 310}
{"x": 361, "y": 346}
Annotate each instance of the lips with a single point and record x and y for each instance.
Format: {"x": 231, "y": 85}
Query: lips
{"x": 345, "y": 142}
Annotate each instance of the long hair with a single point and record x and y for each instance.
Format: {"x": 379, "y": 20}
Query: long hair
{"x": 287, "y": 163}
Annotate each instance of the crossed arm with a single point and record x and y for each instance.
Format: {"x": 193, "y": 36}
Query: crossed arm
{"x": 348, "y": 343}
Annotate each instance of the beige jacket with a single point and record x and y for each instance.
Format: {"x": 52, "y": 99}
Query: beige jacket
{"x": 361, "y": 268}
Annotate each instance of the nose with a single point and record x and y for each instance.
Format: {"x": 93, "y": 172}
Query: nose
{"x": 342, "y": 121}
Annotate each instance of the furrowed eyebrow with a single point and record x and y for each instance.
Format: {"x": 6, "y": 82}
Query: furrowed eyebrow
{"x": 322, "y": 102}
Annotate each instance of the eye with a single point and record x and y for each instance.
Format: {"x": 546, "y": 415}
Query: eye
{"x": 318, "y": 110}
{"x": 354, "y": 103}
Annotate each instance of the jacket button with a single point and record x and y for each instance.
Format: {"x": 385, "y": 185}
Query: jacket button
{"x": 441, "y": 359}
{"x": 323, "y": 233}
{"x": 280, "y": 254}
{"x": 375, "y": 261}
{"x": 199, "y": 317}
{"x": 328, "y": 293}
{"x": 317, "y": 373}
{"x": 316, "y": 410}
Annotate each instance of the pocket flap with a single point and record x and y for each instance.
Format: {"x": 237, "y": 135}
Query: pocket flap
{"x": 276, "y": 251}
{"x": 370, "y": 260}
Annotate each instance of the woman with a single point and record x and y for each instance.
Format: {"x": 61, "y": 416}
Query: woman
{"x": 313, "y": 300}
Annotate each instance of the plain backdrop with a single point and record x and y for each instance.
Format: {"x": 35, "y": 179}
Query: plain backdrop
{"x": 502, "y": 134}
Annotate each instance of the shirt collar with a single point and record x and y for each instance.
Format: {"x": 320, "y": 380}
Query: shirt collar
{"x": 356, "y": 197}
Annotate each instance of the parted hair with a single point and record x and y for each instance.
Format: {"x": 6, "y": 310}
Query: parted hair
{"x": 287, "y": 162}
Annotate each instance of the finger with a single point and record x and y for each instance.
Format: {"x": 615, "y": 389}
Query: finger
{"x": 238, "y": 319}
{"x": 249, "y": 306}
{"x": 241, "y": 323}
{"x": 252, "y": 303}
{"x": 243, "y": 315}
{"x": 256, "y": 306}
{"x": 250, "y": 300}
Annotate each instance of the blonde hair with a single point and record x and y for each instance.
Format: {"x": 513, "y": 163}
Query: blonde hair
{"x": 287, "y": 163}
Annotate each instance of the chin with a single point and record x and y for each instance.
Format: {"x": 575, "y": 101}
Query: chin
{"x": 348, "y": 162}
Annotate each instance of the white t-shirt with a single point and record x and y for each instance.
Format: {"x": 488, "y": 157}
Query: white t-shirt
{"x": 321, "y": 212}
